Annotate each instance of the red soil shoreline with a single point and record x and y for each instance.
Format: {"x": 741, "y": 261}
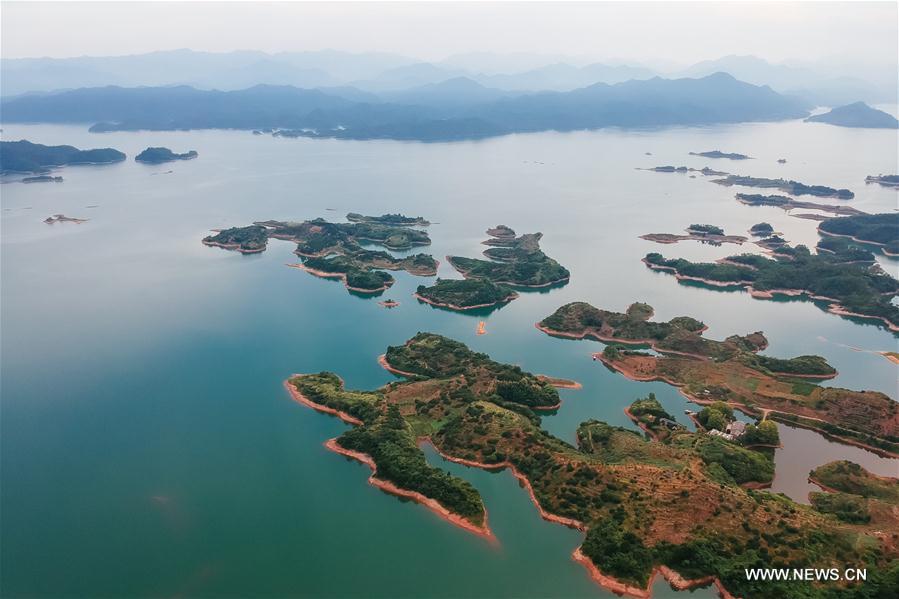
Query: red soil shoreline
{"x": 342, "y": 276}
{"x": 382, "y": 360}
{"x": 465, "y": 275}
{"x": 505, "y": 300}
{"x": 302, "y": 399}
{"x": 432, "y": 504}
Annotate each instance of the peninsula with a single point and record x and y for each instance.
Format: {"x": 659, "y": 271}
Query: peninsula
{"x": 885, "y": 180}
{"x": 857, "y": 290}
{"x": 791, "y": 187}
{"x": 517, "y": 261}
{"x": 160, "y": 155}
{"x": 787, "y": 203}
{"x": 26, "y": 157}
{"x": 467, "y": 294}
{"x": 732, "y": 371}
{"x": 647, "y": 507}
{"x": 876, "y": 229}
{"x": 856, "y": 115}
{"x": 683, "y": 169}
{"x": 394, "y": 220}
{"x": 710, "y": 234}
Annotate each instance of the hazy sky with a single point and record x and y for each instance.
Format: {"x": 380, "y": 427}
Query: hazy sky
{"x": 677, "y": 32}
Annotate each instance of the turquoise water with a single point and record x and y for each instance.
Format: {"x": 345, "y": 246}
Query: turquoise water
{"x": 148, "y": 447}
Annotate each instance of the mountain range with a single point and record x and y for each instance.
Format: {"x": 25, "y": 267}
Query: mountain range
{"x": 460, "y": 108}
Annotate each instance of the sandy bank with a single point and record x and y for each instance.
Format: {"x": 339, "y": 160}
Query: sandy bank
{"x": 302, "y": 399}
{"x": 342, "y": 276}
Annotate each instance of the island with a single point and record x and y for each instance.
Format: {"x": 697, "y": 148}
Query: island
{"x": 516, "y": 261}
{"x": 761, "y": 230}
{"x": 26, "y": 157}
{"x": 881, "y": 230}
{"x": 885, "y": 180}
{"x": 732, "y": 371}
{"x": 849, "y": 289}
{"x": 160, "y": 155}
{"x": 42, "y": 179}
{"x": 62, "y": 218}
{"x": 856, "y": 115}
{"x": 647, "y": 507}
{"x": 467, "y": 294}
{"x": 395, "y": 220}
{"x": 334, "y": 250}
{"x": 720, "y": 154}
{"x": 792, "y": 187}
{"x": 709, "y": 234}
{"x": 787, "y": 203}
{"x": 683, "y": 169}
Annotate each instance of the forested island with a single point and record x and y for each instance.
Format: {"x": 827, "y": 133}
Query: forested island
{"x": 333, "y": 250}
{"x": 684, "y": 169}
{"x": 852, "y": 494}
{"x": 465, "y": 294}
{"x": 858, "y": 115}
{"x": 876, "y": 229}
{"x": 160, "y": 155}
{"x": 885, "y": 180}
{"x": 42, "y": 179}
{"x": 26, "y": 157}
{"x": 850, "y": 289}
{"x": 791, "y": 187}
{"x": 514, "y": 260}
{"x": 761, "y": 229}
{"x": 673, "y": 507}
{"x": 395, "y": 220}
{"x": 732, "y": 371}
{"x": 710, "y": 234}
{"x": 720, "y": 154}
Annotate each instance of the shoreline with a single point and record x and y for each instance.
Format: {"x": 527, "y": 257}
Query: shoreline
{"x": 458, "y": 308}
{"x": 233, "y": 247}
{"x": 596, "y": 335}
{"x": 382, "y": 360}
{"x": 465, "y": 275}
{"x": 834, "y": 308}
{"x": 560, "y": 383}
{"x": 342, "y": 276}
{"x": 432, "y": 504}
{"x": 302, "y": 399}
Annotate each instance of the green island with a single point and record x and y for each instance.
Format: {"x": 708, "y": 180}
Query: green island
{"x": 885, "y": 180}
{"x": 791, "y": 187}
{"x": 465, "y": 294}
{"x": 395, "y": 220}
{"x": 876, "y": 229}
{"x": 732, "y": 371}
{"x": 761, "y": 230}
{"x": 854, "y": 495}
{"x": 333, "y": 250}
{"x": 517, "y": 261}
{"x": 857, "y": 114}
{"x": 720, "y": 154}
{"x": 160, "y": 155}
{"x": 26, "y": 157}
{"x": 648, "y": 507}
{"x": 787, "y": 203}
{"x": 850, "y": 289}
{"x": 710, "y": 234}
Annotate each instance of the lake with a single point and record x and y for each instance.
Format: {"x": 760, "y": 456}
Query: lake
{"x": 149, "y": 449}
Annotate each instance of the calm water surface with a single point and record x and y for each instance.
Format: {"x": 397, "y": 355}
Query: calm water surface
{"x": 148, "y": 448}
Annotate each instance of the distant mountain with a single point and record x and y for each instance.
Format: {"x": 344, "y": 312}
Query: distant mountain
{"x": 455, "y": 109}
{"x": 857, "y": 114}
{"x": 26, "y": 157}
{"x": 564, "y": 77}
{"x": 452, "y": 93}
{"x": 409, "y": 76}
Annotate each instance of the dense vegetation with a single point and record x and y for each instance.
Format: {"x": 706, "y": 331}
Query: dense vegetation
{"x": 466, "y": 293}
{"x": 857, "y": 114}
{"x": 158, "y": 155}
{"x": 715, "y": 416}
{"x": 791, "y": 187}
{"x": 859, "y": 288}
{"x": 358, "y": 279}
{"x": 26, "y": 157}
{"x": 881, "y": 229}
{"x": 849, "y": 477}
{"x": 244, "y": 239}
{"x": 763, "y": 433}
{"x": 761, "y": 229}
{"x": 706, "y": 229}
{"x": 788, "y": 203}
{"x": 743, "y": 465}
{"x": 848, "y": 508}
{"x": 516, "y": 261}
